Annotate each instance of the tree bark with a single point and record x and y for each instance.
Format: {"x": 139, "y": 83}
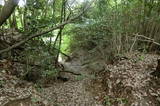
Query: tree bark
{"x": 7, "y": 10}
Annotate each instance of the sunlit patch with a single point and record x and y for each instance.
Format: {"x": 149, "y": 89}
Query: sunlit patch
{"x": 81, "y": 0}
{"x": 1, "y": 2}
{"x": 22, "y": 3}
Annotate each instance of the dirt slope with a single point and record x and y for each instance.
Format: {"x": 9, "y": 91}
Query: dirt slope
{"x": 128, "y": 81}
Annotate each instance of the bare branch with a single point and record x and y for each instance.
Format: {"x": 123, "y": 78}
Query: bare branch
{"x": 47, "y": 31}
{"x": 146, "y": 39}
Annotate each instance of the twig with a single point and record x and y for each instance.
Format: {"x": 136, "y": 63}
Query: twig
{"x": 133, "y": 43}
{"x": 148, "y": 39}
{"x": 18, "y": 99}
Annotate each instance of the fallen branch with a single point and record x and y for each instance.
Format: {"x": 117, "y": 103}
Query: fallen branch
{"x": 10, "y": 102}
{"x": 135, "y": 39}
{"x": 39, "y": 66}
{"x": 71, "y": 72}
{"x": 45, "y": 32}
{"x": 148, "y": 39}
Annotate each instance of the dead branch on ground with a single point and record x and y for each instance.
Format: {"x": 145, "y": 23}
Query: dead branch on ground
{"x": 146, "y": 39}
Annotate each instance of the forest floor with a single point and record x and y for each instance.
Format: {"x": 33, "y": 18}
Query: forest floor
{"x": 75, "y": 92}
{"x": 126, "y": 82}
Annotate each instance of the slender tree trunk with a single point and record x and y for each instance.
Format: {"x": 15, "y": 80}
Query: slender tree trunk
{"x": 14, "y": 21}
{"x": 25, "y": 27}
{"x": 63, "y": 15}
{"x": 7, "y": 10}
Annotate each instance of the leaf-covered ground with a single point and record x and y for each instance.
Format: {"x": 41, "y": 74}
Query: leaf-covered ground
{"x": 75, "y": 92}
{"x": 126, "y": 82}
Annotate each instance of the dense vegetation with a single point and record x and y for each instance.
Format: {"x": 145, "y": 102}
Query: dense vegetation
{"x": 38, "y": 34}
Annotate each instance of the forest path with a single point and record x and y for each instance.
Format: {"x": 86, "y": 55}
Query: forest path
{"x": 127, "y": 82}
{"x": 76, "y": 91}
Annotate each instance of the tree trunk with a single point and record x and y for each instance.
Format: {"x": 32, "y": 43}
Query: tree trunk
{"x": 7, "y": 10}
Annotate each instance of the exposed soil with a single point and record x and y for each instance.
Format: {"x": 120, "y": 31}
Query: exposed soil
{"x": 74, "y": 92}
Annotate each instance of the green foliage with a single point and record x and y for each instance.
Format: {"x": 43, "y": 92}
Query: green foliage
{"x": 65, "y": 44}
{"x": 39, "y": 62}
{"x": 34, "y": 100}
{"x": 80, "y": 77}
{"x": 110, "y": 25}
{"x": 38, "y": 87}
{"x": 89, "y": 36}
{"x": 141, "y": 58}
{"x": 50, "y": 74}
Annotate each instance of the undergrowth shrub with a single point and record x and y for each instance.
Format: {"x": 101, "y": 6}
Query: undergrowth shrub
{"x": 99, "y": 38}
{"x": 38, "y": 62}
{"x": 112, "y": 32}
